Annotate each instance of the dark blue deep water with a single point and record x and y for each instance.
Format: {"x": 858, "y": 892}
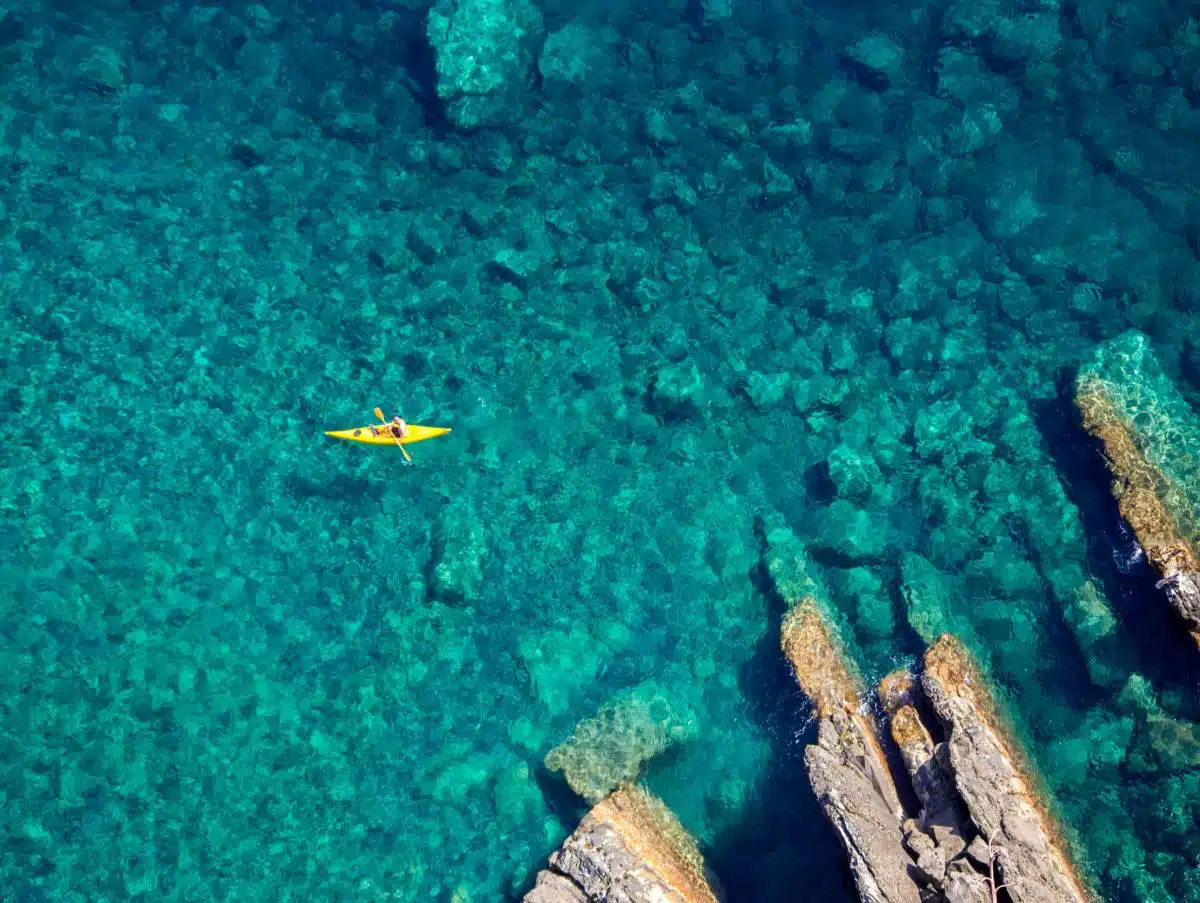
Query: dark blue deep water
{"x": 676, "y": 273}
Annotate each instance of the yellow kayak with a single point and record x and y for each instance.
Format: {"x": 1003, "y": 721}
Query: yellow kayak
{"x": 381, "y": 435}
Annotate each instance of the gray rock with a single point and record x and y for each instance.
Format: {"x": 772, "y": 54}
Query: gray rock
{"x": 846, "y": 765}
{"x": 963, "y": 867}
{"x": 916, "y": 841}
{"x": 1183, "y": 592}
{"x": 552, "y": 887}
{"x": 967, "y": 889}
{"x": 851, "y": 783}
{"x": 977, "y": 853}
{"x": 628, "y": 849}
{"x": 931, "y": 866}
{"x": 1001, "y": 804}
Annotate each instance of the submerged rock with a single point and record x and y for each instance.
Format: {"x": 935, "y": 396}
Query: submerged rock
{"x": 629, "y": 848}
{"x": 1149, "y": 435}
{"x": 486, "y": 51}
{"x": 611, "y": 748}
{"x": 460, "y": 550}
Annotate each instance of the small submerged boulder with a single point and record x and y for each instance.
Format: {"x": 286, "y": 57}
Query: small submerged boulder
{"x": 612, "y": 747}
{"x": 460, "y": 552}
{"x": 485, "y": 57}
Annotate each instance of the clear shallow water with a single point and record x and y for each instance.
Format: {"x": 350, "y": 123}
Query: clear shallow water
{"x": 246, "y": 661}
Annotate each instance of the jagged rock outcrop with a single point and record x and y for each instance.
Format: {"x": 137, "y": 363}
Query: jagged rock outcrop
{"x": 846, "y": 766}
{"x": 628, "y": 849}
{"x": 1149, "y": 435}
{"x": 943, "y": 816}
{"x": 979, "y": 820}
{"x": 1003, "y": 806}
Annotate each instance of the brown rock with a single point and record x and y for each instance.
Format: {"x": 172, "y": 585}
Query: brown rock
{"x": 1148, "y": 501}
{"x": 628, "y": 849}
{"x": 1031, "y": 858}
{"x": 817, "y": 660}
{"x": 931, "y": 781}
{"x": 846, "y": 766}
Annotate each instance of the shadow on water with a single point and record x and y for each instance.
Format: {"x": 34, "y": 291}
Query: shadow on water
{"x": 337, "y": 488}
{"x": 1154, "y": 639}
{"x": 416, "y": 56}
{"x": 783, "y": 842}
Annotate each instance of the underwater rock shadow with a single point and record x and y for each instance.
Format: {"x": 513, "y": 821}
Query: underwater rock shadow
{"x": 1159, "y": 647}
{"x": 565, "y": 805}
{"x": 338, "y": 488}
{"x": 783, "y": 841}
{"x": 414, "y": 54}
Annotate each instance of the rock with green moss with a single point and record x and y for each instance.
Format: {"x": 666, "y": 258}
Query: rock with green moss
{"x": 926, "y": 597}
{"x": 572, "y": 54}
{"x": 855, "y": 473}
{"x": 865, "y": 592}
{"x": 1163, "y": 427}
{"x": 765, "y": 390}
{"x": 853, "y": 532}
{"x": 675, "y": 390}
{"x": 1087, "y": 612}
{"x": 788, "y": 563}
{"x": 1149, "y": 433}
{"x": 613, "y": 746}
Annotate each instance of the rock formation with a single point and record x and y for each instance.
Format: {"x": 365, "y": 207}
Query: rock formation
{"x": 628, "y": 849}
{"x": 846, "y": 766}
{"x": 611, "y": 748}
{"x": 980, "y": 823}
{"x": 1002, "y": 805}
{"x": 1148, "y": 434}
{"x": 942, "y": 816}
{"x": 486, "y": 52}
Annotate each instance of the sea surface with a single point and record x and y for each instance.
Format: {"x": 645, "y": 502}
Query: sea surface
{"x": 715, "y": 270}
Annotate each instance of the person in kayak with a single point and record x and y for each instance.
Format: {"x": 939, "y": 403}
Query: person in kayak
{"x": 397, "y": 428}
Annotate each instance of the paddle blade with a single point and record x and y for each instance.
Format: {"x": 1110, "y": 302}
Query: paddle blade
{"x": 379, "y": 414}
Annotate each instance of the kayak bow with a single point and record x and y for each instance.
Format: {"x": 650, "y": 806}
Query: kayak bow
{"x": 383, "y": 436}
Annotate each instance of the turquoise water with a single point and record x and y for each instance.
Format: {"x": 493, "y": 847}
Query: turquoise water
{"x": 724, "y": 289}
